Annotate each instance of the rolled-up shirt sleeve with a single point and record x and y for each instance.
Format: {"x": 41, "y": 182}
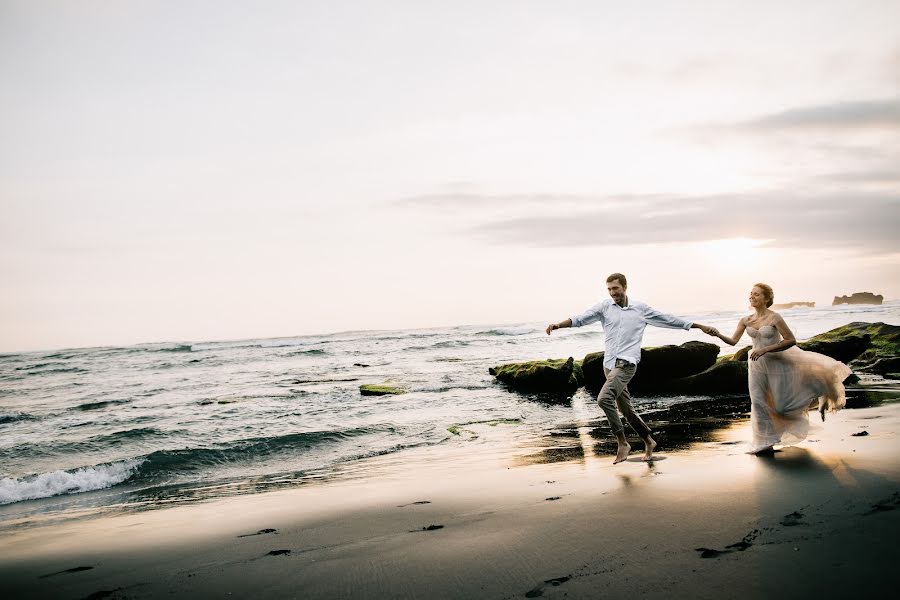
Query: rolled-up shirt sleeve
{"x": 661, "y": 319}
{"x": 591, "y": 315}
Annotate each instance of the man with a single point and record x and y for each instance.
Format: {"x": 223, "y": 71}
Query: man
{"x": 623, "y": 322}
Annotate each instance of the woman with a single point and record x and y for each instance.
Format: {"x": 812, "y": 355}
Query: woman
{"x": 784, "y": 380}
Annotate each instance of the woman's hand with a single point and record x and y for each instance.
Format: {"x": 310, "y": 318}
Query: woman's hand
{"x": 757, "y": 353}
{"x": 552, "y": 327}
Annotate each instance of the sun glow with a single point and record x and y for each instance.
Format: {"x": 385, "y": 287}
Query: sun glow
{"x": 739, "y": 256}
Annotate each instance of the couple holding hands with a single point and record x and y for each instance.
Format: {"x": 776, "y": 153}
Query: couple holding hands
{"x": 783, "y": 379}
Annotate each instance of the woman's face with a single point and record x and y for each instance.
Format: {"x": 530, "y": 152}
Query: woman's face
{"x": 757, "y": 298}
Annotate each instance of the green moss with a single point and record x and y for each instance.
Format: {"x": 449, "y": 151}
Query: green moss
{"x": 885, "y": 338}
{"x": 530, "y": 368}
{"x": 369, "y": 389}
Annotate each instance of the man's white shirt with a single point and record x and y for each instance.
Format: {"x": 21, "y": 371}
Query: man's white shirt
{"x": 624, "y": 327}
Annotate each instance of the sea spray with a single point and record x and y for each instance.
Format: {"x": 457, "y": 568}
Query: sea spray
{"x": 85, "y": 479}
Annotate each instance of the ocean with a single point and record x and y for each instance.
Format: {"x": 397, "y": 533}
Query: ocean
{"x": 93, "y": 430}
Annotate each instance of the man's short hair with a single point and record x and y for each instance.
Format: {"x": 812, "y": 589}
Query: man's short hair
{"x": 618, "y": 276}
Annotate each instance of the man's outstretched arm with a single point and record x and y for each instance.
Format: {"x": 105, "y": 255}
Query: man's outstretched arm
{"x": 661, "y": 319}
{"x": 560, "y": 325}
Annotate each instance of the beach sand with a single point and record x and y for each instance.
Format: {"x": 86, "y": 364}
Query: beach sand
{"x": 818, "y": 520}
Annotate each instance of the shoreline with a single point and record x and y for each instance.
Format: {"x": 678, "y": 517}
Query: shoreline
{"x": 815, "y": 518}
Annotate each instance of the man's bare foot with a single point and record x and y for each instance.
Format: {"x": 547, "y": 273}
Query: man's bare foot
{"x": 623, "y": 453}
{"x": 649, "y": 447}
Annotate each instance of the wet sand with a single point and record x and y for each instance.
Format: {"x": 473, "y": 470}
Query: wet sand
{"x": 817, "y": 520}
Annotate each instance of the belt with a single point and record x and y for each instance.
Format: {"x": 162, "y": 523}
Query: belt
{"x": 621, "y": 362}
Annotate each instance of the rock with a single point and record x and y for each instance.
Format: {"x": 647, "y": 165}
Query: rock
{"x": 741, "y": 354}
{"x": 539, "y": 376}
{"x": 728, "y": 377}
{"x": 658, "y": 366}
{"x": 886, "y": 367}
{"x": 370, "y": 389}
{"x": 843, "y": 344}
{"x": 792, "y": 305}
{"x": 592, "y": 366}
{"x": 858, "y": 298}
{"x": 885, "y": 340}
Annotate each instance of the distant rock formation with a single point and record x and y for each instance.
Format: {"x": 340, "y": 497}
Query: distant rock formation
{"x": 859, "y": 298}
{"x": 793, "y": 304}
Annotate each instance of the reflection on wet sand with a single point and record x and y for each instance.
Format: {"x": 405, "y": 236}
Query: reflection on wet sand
{"x": 675, "y": 426}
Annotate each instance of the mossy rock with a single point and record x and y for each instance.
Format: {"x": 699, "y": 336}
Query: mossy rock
{"x": 862, "y": 343}
{"x": 554, "y": 375}
{"x": 743, "y": 354}
{"x": 370, "y": 389}
{"x": 658, "y": 366}
{"x": 840, "y": 344}
{"x": 887, "y": 367}
{"x": 729, "y": 377}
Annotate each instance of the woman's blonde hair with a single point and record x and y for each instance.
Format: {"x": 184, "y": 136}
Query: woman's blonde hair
{"x": 768, "y": 294}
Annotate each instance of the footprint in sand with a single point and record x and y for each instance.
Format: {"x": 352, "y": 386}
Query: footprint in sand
{"x": 260, "y": 532}
{"x": 885, "y": 505}
{"x": 793, "y": 519}
{"x": 736, "y": 547}
{"x": 538, "y": 590}
{"x": 102, "y": 594}
{"x": 72, "y": 570}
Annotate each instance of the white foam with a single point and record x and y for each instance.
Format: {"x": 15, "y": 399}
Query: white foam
{"x": 56, "y": 483}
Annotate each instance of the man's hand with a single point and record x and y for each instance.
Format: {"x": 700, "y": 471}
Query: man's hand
{"x": 552, "y": 327}
{"x": 706, "y": 329}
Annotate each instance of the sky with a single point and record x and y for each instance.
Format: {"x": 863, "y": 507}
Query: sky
{"x": 205, "y": 170}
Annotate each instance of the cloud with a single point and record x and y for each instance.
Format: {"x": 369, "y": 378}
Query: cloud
{"x": 865, "y": 221}
{"x": 871, "y": 113}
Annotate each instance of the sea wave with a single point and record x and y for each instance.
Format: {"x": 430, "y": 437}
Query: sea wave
{"x": 313, "y": 352}
{"x": 84, "y": 479}
{"x": 501, "y": 331}
{"x": 98, "y": 404}
{"x": 166, "y": 464}
{"x": 15, "y": 416}
{"x": 169, "y": 462}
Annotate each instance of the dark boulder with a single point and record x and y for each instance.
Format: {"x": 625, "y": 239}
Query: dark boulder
{"x": 840, "y": 344}
{"x": 862, "y": 343}
{"x": 556, "y": 376}
{"x": 658, "y": 366}
{"x": 728, "y": 377}
{"x": 888, "y": 367}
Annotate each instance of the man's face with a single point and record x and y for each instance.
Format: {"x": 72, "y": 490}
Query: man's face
{"x": 616, "y": 291}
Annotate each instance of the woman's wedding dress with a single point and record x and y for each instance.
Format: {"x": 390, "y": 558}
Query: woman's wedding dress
{"x": 784, "y": 384}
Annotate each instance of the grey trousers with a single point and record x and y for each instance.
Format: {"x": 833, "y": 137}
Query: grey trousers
{"x": 615, "y": 393}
